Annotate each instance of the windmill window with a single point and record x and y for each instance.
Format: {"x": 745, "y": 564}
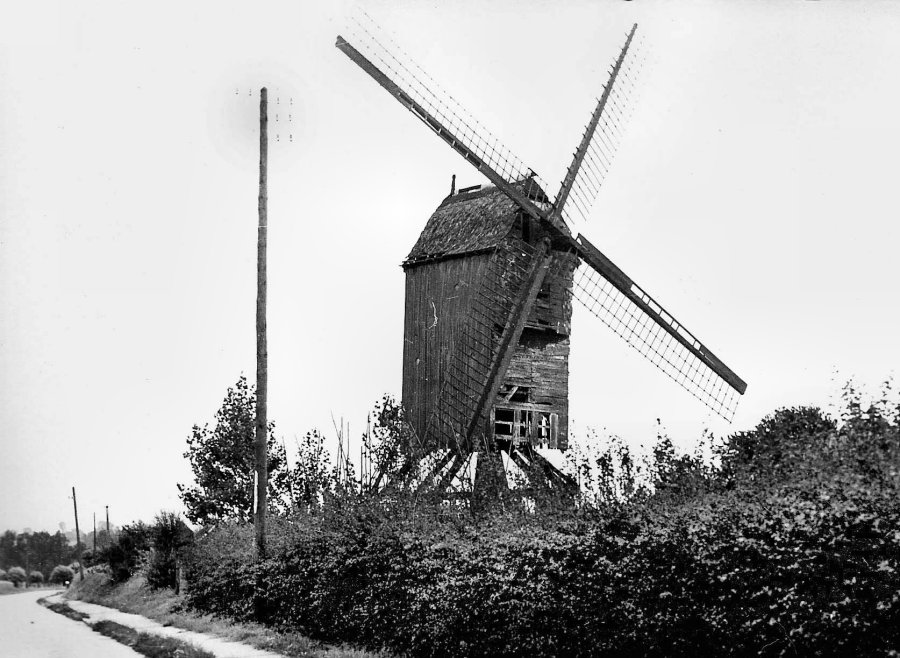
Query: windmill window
{"x": 504, "y": 419}
{"x": 513, "y": 423}
{"x": 547, "y": 429}
{"x": 544, "y": 427}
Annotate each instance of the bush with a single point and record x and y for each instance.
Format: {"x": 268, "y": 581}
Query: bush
{"x": 171, "y": 537}
{"x": 3, "y": 575}
{"x": 129, "y": 551}
{"x": 792, "y": 548}
{"x": 16, "y": 575}
{"x": 36, "y": 578}
{"x": 61, "y": 575}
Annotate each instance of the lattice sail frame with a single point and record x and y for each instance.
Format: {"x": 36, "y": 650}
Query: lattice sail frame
{"x": 639, "y": 329}
{"x": 606, "y": 292}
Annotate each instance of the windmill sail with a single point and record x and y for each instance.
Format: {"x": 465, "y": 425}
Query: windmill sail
{"x": 592, "y": 158}
{"x": 611, "y": 295}
{"x": 418, "y": 93}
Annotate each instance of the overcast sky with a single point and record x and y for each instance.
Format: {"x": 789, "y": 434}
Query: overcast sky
{"x": 754, "y": 195}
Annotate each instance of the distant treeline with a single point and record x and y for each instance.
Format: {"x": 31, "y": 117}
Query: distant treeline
{"x": 35, "y": 551}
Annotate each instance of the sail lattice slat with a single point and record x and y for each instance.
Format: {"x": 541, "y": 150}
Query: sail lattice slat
{"x": 471, "y": 357}
{"x": 615, "y": 107}
{"x": 645, "y": 335}
{"x": 416, "y": 85}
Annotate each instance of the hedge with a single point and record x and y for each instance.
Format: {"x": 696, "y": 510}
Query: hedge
{"x": 800, "y": 556}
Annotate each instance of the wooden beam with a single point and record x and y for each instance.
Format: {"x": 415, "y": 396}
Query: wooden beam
{"x": 262, "y": 355}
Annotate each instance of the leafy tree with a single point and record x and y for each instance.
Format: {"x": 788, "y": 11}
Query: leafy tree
{"x": 46, "y": 550}
{"x": 16, "y": 575}
{"x": 9, "y": 550}
{"x": 61, "y": 575}
{"x": 222, "y": 460}
{"x": 171, "y": 537}
{"x": 311, "y": 476}
{"x": 393, "y": 441}
{"x": 36, "y": 577}
{"x": 126, "y": 554}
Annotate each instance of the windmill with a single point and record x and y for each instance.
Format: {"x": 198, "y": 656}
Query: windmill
{"x": 489, "y": 289}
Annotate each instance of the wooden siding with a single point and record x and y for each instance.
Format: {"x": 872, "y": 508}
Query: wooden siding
{"x": 541, "y": 362}
{"x": 438, "y": 300}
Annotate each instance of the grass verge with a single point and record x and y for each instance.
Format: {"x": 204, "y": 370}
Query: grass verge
{"x": 167, "y": 608}
{"x": 146, "y": 644}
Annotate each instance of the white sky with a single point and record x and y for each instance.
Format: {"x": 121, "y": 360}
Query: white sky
{"x": 754, "y": 195}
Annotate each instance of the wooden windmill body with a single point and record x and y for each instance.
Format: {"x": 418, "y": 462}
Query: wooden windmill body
{"x": 450, "y": 276}
{"x": 489, "y": 290}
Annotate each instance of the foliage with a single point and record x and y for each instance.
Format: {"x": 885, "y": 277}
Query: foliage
{"x": 129, "y": 550}
{"x": 16, "y": 575}
{"x": 311, "y": 476}
{"x": 170, "y": 540}
{"x": 61, "y": 575}
{"x": 35, "y": 577}
{"x": 792, "y": 547}
{"x": 223, "y": 463}
{"x": 39, "y": 550}
{"x": 392, "y": 440}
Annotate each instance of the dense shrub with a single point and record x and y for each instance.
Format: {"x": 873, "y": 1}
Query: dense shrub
{"x": 791, "y": 548}
{"x": 3, "y": 574}
{"x": 129, "y": 550}
{"x": 170, "y": 540}
{"x": 16, "y": 575}
{"x": 36, "y": 578}
{"x": 61, "y": 575}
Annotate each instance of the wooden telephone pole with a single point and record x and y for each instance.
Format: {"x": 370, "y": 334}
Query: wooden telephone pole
{"x": 77, "y": 535}
{"x": 261, "y": 348}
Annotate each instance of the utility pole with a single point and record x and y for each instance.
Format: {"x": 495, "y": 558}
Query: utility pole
{"x": 77, "y": 535}
{"x": 261, "y": 348}
{"x": 108, "y": 536}
{"x": 95, "y": 533}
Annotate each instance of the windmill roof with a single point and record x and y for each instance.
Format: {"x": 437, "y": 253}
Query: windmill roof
{"x": 464, "y": 223}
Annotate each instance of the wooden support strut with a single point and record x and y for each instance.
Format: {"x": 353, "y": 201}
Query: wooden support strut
{"x": 515, "y": 323}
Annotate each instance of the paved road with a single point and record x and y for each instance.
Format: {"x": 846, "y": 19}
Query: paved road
{"x": 29, "y": 630}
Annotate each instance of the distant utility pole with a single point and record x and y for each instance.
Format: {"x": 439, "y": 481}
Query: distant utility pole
{"x": 95, "y": 533}
{"x": 261, "y": 350}
{"x": 108, "y": 536}
{"x": 77, "y": 535}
